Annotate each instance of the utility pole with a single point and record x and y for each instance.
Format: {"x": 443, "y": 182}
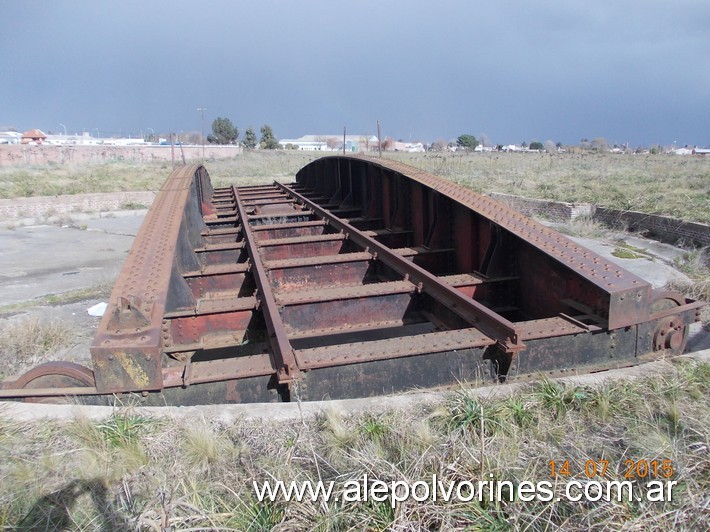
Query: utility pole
{"x": 379, "y": 140}
{"x": 202, "y": 113}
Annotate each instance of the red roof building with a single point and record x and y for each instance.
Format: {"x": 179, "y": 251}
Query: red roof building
{"x": 33, "y": 136}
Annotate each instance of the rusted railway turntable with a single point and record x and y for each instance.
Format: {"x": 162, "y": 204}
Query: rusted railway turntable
{"x": 363, "y": 277}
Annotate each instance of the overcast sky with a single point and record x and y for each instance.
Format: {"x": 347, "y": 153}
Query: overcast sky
{"x": 634, "y": 71}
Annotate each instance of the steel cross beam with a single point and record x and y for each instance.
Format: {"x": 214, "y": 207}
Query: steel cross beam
{"x": 284, "y": 359}
{"x": 503, "y": 331}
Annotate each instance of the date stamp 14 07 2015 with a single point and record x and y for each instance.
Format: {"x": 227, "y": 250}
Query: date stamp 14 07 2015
{"x": 629, "y": 470}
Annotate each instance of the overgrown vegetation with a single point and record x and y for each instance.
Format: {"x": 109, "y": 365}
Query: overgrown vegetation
{"x": 659, "y": 184}
{"x": 696, "y": 265}
{"x": 24, "y": 342}
{"x": 54, "y": 179}
{"x": 133, "y": 472}
{"x": 662, "y": 184}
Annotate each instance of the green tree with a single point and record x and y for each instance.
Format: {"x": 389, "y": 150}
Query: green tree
{"x": 249, "y": 138}
{"x": 223, "y": 132}
{"x": 467, "y": 142}
{"x": 536, "y": 145}
{"x": 268, "y": 141}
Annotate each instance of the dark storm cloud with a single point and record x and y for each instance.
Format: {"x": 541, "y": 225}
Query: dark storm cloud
{"x": 632, "y": 71}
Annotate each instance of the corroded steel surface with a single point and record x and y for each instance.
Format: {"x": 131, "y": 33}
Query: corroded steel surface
{"x": 365, "y": 276}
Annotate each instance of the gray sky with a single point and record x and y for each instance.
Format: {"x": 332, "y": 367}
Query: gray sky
{"x": 634, "y": 71}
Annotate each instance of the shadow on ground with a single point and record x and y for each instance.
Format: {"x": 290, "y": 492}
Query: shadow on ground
{"x": 54, "y": 510}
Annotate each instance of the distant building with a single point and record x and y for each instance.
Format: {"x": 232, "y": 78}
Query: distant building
{"x": 484, "y": 149}
{"x": 33, "y": 136}
{"x": 682, "y": 151}
{"x": 409, "y": 147}
{"x": 85, "y": 139}
{"x": 304, "y": 145}
{"x": 10, "y": 137}
{"x": 353, "y": 143}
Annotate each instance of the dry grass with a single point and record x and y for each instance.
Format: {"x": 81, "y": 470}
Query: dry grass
{"x": 696, "y": 265}
{"x": 663, "y": 184}
{"x": 28, "y": 339}
{"x": 660, "y": 184}
{"x": 130, "y": 472}
{"x": 585, "y": 227}
{"x": 25, "y": 342}
{"x": 258, "y": 167}
{"x": 54, "y": 179}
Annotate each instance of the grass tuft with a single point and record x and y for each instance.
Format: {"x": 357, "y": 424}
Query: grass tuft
{"x": 26, "y": 341}
{"x": 557, "y": 398}
{"x": 696, "y": 265}
{"x": 338, "y": 436}
{"x": 205, "y": 448}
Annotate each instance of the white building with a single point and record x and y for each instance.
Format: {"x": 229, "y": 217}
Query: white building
{"x": 304, "y": 145}
{"x": 10, "y": 137}
{"x": 682, "y": 151}
{"x": 353, "y": 143}
{"x": 409, "y": 147}
{"x": 484, "y": 149}
{"x": 85, "y": 139}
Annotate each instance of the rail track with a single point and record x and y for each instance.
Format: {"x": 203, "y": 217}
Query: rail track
{"x": 363, "y": 277}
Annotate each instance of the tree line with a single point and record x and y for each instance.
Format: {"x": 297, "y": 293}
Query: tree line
{"x": 470, "y": 142}
{"x": 225, "y": 132}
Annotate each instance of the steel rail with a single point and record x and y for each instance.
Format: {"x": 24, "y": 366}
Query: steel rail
{"x": 18, "y": 393}
{"x": 503, "y": 331}
{"x": 284, "y": 358}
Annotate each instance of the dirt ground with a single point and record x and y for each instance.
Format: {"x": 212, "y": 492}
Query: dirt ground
{"x": 55, "y": 273}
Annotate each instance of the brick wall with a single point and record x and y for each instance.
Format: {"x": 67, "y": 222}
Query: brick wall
{"x": 662, "y": 228}
{"x": 555, "y": 211}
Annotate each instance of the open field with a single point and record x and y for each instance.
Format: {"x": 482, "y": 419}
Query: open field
{"x": 660, "y": 184}
{"x": 113, "y": 176}
{"x": 678, "y": 186}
